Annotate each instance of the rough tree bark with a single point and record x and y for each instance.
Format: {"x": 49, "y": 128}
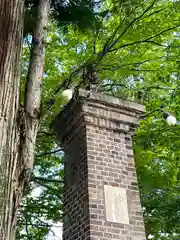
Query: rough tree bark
{"x": 18, "y": 124}
{"x": 11, "y": 23}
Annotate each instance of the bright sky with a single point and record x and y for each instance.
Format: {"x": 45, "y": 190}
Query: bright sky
{"x": 57, "y": 230}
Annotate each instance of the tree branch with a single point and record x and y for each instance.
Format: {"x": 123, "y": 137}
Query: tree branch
{"x": 131, "y": 23}
{"x": 127, "y": 69}
{"x": 146, "y": 41}
{"x": 44, "y": 179}
{"x": 65, "y": 84}
{"x": 148, "y": 114}
{"x": 114, "y": 33}
{"x": 35, "y": 224}
{"x": 42, "y": 224}
{"x": 49, "y": 153}
{"x": 107, "y": 48}
{"x": 115, "y": 67}
{"x": 46, "y": 186}
{"x": 161, "y": 88}
{"x": 46, "y": 133}
{"x": 140, "y": 70}
{"x": 157, "y": 87}
{"x": 157, "y": 11}
{"x": 128, "y": 64}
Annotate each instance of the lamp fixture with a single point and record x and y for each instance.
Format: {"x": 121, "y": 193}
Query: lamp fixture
{"x": 68, "y": 93}
{"x": 170, "y": 119}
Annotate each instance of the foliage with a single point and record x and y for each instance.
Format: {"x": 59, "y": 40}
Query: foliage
{"x": 157, "y": 161}
{"x": 135, "y": 53}
{"x": 80, "y": 13}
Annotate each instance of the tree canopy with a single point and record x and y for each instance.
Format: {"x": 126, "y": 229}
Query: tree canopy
{"x": 133, "y": 46}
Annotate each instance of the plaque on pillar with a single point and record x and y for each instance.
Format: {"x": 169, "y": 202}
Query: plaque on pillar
{"x": 116, "y": 207}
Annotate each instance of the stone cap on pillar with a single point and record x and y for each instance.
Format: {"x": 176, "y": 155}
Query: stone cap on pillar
{"x": 111, "y": 100}
{"x": 98, "y": 109}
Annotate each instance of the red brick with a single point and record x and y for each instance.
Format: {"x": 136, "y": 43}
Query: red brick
{"x": 90, "y": 132}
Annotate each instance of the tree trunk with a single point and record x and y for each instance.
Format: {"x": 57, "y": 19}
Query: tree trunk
{"x": 11, "y": 23}
{"x": 34, "y": 82}
{"x": 18, "y": 125}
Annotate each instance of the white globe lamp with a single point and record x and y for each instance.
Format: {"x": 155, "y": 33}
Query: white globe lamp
{"x": 68, "y": 94}
{"x": 171, "y": 120}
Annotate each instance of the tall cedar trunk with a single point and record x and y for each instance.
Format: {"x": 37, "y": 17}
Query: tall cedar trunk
{"x": 11, "y": 23}
{"x": 18, "y": 125}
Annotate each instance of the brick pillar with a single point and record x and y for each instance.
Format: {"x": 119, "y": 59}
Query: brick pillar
{"x": 101, "y": 196}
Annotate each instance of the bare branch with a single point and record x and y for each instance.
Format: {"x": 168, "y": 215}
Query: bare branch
{"x": 127, "y": 69}
{"x": 34, "y": 178}
{"x": 140, "y": 63}
{"x": 163, "y": 31}
{"x": 149, "y": 114}
{"x": 47, "y": 186}
{"x": 66, "y": 83}
{"x": 144, "y": 41}
{"x": 131, "y": 23}
{"x": 94, "y": 46}
{"x": 35, "y": 224}
{"x": 161, "y": 88}
{"x": 49, "y": 153}
{"x": 62, "y": 85}
{"x": 157, "y": 87}
{"x": 157, "y": 11}
{"x": 135, "y": 63}
{"x": 46, "y": 133}
{"x": 140, "y": 70}
{"x": 40, "y": 224}
{"x": 54, "y": 234}
{"x": 107, "y": 47}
